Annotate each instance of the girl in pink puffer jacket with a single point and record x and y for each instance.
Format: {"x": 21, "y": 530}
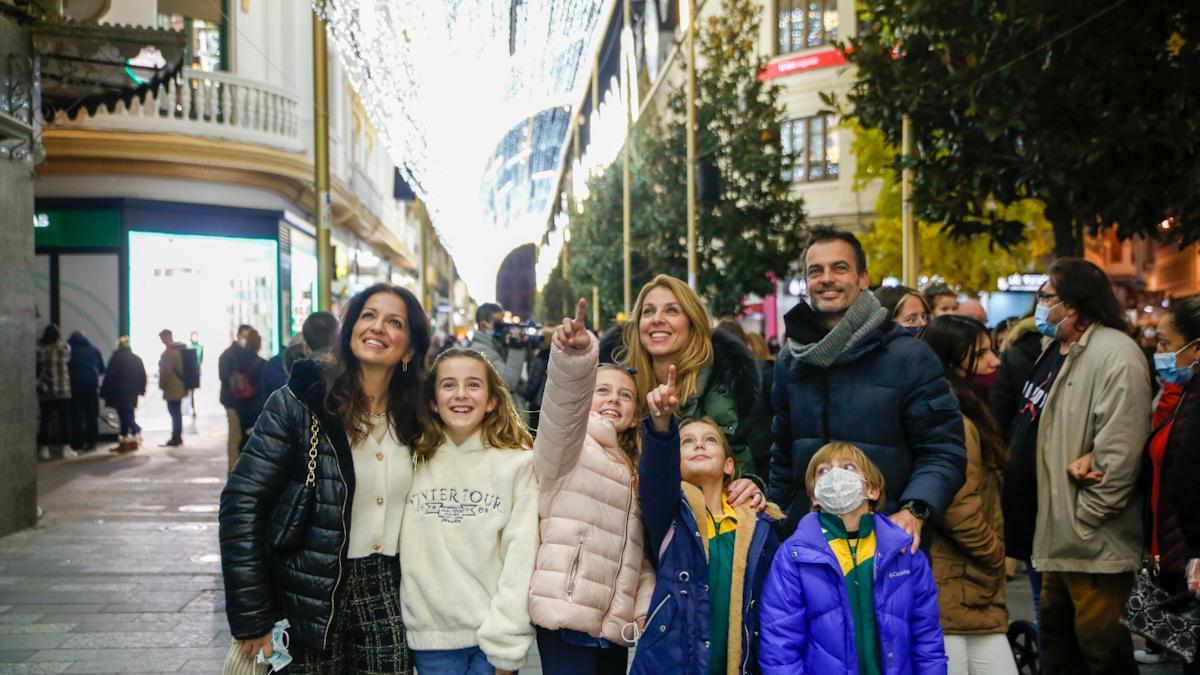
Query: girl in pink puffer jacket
{"x": 591, "y": 582}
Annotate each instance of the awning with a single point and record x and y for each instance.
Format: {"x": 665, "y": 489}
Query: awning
{"x": 86, "y": 65}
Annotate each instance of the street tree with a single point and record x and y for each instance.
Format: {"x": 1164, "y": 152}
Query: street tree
{"x": 1087, "y": 107}
{"x": 749, "y": 223}
{"x": 972, "y": 264}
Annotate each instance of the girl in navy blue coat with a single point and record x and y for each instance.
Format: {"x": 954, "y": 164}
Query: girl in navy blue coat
{"x": 845, "y": 593}
{"x": 711, "y": 558}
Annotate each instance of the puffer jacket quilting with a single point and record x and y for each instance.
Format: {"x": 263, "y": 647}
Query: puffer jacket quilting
{"x": 886, "y": 394}
{"x": 590, "y": 564}
{"x": 264, "y": 585}
{"x": 806, "y": 622}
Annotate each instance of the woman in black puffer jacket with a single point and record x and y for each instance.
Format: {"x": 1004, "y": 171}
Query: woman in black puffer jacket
{"x": 336, "y": 581}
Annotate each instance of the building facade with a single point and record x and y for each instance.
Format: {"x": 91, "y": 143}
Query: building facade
{"x": 191, "y": 208}
{"x": 796, "y": 36}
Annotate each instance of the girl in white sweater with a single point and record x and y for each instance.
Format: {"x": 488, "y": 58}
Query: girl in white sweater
{"x": 469, "y": 535}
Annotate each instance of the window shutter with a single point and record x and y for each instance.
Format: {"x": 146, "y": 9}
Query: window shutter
{"x": 207, "y": 10}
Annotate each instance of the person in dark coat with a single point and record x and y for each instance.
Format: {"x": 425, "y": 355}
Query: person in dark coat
{"x": 124, "y": 382}
{"x": 252, "y": 366}
{"x": 344, "y": 611}
{"x": 54, "y": 394}
{"x": 535, "y": 382}
{"x": 85, "y": 366}
{"x": 851, "y": 374}
{"x": 225, "y": 369}
{"x": 275, "y": 371}
{"x": 1172, "y": 516}
{"x": 1021, "y": 349}
{"x": 758, "y": 421}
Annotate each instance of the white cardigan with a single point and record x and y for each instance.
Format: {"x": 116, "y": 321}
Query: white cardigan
{"x": 382, "y": 476}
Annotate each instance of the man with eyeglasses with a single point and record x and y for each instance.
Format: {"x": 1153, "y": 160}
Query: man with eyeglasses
{"x": 1075, "y": 452}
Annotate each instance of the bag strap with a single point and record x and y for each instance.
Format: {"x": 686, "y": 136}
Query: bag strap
{"x": 314, "y": 428}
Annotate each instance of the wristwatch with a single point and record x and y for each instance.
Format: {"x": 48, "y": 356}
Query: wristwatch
{"x": 918, "y": 508}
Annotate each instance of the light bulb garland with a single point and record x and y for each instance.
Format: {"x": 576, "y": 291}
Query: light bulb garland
{"x": 471, "y": 99}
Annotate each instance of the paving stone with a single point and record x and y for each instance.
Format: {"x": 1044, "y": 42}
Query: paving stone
{"x": 207, "y": 666}
{"x": 35, "y": 628}
{"x": 104, "y": 641}
{"x": 32, "y": 668}
{"x": 15, "y": 655}
{"x": 33, "y": 641}
{"x": 140, "y": 665}
{"x": 19, "y": 618}
{"x": 51, "y": 611}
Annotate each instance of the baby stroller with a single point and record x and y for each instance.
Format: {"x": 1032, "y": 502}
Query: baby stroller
{"x": 1023, "y": 640}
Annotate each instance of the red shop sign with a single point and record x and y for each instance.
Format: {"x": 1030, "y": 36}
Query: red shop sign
{"x": 802, "y": 63}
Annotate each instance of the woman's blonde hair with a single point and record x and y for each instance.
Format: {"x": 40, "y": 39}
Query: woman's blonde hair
{"x": 502, "y": 427}
{"x": 697, "y": 353}
{"x": 848, "y": 452}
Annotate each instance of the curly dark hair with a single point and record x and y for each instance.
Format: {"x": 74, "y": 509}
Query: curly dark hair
{"x": 344, "y": 395}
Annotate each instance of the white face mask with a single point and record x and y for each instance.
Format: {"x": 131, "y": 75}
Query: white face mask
{"x": 839, "y": 491}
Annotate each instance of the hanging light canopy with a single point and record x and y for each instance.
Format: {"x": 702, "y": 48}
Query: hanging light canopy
{"x": 471, "y": 98}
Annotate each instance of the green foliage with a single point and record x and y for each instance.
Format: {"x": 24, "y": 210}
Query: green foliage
{"x": 755, "y": 224}
{"x": 972, "y": 264}
{"x": 1087, "y": 107}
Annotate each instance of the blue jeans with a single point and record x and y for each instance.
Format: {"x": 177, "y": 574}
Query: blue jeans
{"x": 1035, "y": 583}
{"x": 466, "y": 661}
{"x": 176, "y": 410}
{"x": 128, "y": 424}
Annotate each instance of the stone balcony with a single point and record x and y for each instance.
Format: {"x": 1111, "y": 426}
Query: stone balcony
{"x": 205, "y": 104}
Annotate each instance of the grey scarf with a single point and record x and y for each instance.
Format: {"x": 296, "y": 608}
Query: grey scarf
{"x": 864, "y": 316}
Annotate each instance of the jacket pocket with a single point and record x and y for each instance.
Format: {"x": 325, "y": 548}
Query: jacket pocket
{"x": 979, "y": 588}
{"x": 573, "y": 571}
{"x": 658, "y": 622}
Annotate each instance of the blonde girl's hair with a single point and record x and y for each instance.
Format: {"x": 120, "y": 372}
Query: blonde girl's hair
{"x": 697, "y": 353}
{"x": 848, "y": 452}
{"x": 502, "y": 427}
{"x": 728, "y": 478}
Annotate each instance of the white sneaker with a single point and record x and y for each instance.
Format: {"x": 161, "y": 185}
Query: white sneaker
{"x": 44, "y": 453}
{"x": 68, "y": 453}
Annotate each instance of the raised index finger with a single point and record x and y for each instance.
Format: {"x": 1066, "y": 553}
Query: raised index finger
{"x": 580, "y": 313}
{"x": 671, "y": 380}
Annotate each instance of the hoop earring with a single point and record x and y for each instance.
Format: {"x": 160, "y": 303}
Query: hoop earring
{"x": 404, "y": 365}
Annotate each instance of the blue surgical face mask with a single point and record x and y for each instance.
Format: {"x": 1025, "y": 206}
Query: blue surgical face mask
{"x": 280, "y": 658}
{"x": 1041, "y": 317}
{"x": 912, "y": 330}
{"x": 1164, "y": 364}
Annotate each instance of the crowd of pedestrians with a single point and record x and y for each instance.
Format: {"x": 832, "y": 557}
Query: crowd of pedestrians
{"x": 705, "y": 504}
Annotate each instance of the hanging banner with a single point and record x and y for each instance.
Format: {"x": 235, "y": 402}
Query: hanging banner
{"x": 802, "y": 63}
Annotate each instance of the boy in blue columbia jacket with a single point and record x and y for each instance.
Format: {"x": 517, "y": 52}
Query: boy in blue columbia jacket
{"x": 711, "y": 558}
{"x": 845, "y": 594}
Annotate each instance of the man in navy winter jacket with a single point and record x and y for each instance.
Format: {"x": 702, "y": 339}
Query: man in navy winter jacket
{"x": 850, "y": 374}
